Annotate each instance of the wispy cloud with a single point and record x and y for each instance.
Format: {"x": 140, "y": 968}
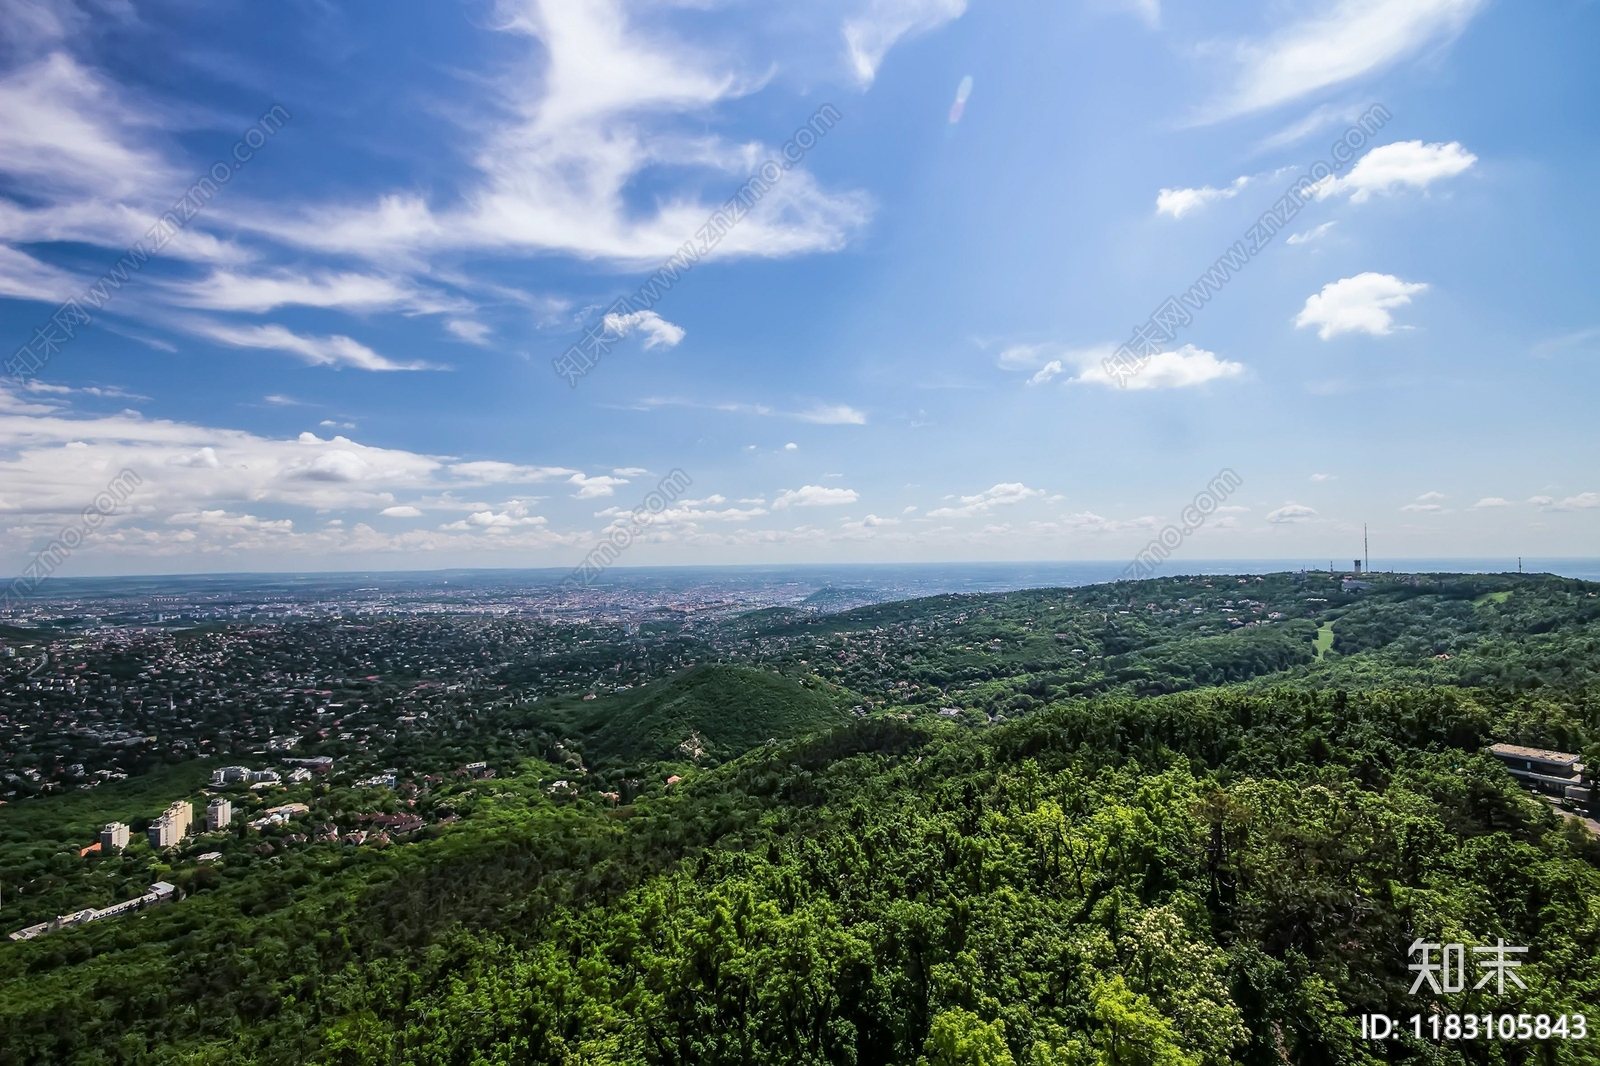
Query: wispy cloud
{"x": 1312, "y": 234}
{"x": 1179, "y": 202}
{"x": 337, "y": 350}
{"x": 871, "y": 32}
{"x": 1342, "y": 41}
{"x": 657, "y": 331}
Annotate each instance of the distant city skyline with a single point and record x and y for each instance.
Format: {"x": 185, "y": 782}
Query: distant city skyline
{"x": 876, "y": 281}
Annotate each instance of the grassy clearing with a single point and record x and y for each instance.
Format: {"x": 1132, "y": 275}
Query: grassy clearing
{"x": 1324, "y": 641}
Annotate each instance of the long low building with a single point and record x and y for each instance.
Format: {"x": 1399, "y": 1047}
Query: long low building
{"x": 159, "y": 892}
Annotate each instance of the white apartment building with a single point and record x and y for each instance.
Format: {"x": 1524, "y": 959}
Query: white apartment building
{"x": 173, "y": 825}
{"x": 219, "y": 814}
{"x": 114, "y": 837}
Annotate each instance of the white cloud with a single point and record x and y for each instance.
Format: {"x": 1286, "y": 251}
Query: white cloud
{"x": 514, "y": 515}
{"x": 1021, "y": 357}
{"x": 591, "y": 103}
{"x": 1179, "y": 202}
{"x": 1046, "y": 372}
{"x": 591, "y": 487}
{"x": 1312, "y": 234}
{"x": 229, "y": 290}
{"x": 26, "y": 278}
{"x": 869, "y": 34}
{"x": 1357, "y": 305}
{"x": 1493, "y": 501}
{"x": 67, "y": 128}
{"x": 1324, "y": 477}
{"x": 833, "y": 415}
{"x": 468, "y": 330}
{"x": 1289, "y": 513}
{"x": 791, "y": 446}
{"x": 337, "y": 350}
{"x": 1003, "y": 494}
{"x": 1403, "y": 164}
{"x": 494, "y": 472}
{"x": 401, "y": 511}
{"x": 1342, "y": 41}
{"x": 813, "y": 496}
{"x": 630, "y": 471}
{"x": 1429, "y": 497}
{"x": 1184, "y": 368}
{"x": 1582, "y": 501}
{"x": 1423, "y": 508}
{"x": 1097, "y": 525}
{"x": 657, "y": 330}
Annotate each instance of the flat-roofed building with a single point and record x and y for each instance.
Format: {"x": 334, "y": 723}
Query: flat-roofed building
{"x": 1555, "y": 773}
{"x": 173, "y": 825}
{"x": 114, "y": 837}
{"x": 219, "y": 814}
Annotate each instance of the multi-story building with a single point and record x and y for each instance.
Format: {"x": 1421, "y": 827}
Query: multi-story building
{"x": 114, "y": 837}
{"x": 219, "y": 814}
{"x": 173, "y": 825}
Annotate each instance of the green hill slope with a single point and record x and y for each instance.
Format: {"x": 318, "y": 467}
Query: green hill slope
{"x": 715, "y": 710}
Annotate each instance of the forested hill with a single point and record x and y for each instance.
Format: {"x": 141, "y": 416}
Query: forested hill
{"x": 1017, "y": 651}
{"x": 1084, "y": 826}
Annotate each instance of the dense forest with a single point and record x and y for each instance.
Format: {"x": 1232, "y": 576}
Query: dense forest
{"x": 1117, "y": 825}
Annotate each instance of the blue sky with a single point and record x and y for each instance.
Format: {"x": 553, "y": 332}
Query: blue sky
{"x": 343, "y": 359}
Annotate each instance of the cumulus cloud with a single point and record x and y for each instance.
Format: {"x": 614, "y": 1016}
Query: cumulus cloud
{"x": 871, "y": 32}
{"x": 1401, "y": 165}
{"x": 514, "y": 515}
{"x": 813, "y": 496}
{"x": 1582, "y": 501}
{"x": 1357, "y": 305}
{"x": 1003, "y": 494}
{"x": 1291, "y": 513}
{"x": 591, "y": 487}
{"x": 1179, "y": 202}
{"x": 401, "y": 511}
{"x": 1181, "y": 369}
{"x": 657, "y": 331}
{"x": 1493, "y": 501}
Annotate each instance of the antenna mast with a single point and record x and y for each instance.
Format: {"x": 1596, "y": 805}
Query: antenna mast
{"x": 1366, "y": 554}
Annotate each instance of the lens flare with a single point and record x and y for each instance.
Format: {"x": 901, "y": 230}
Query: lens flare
{"x": 963, "y": 91}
